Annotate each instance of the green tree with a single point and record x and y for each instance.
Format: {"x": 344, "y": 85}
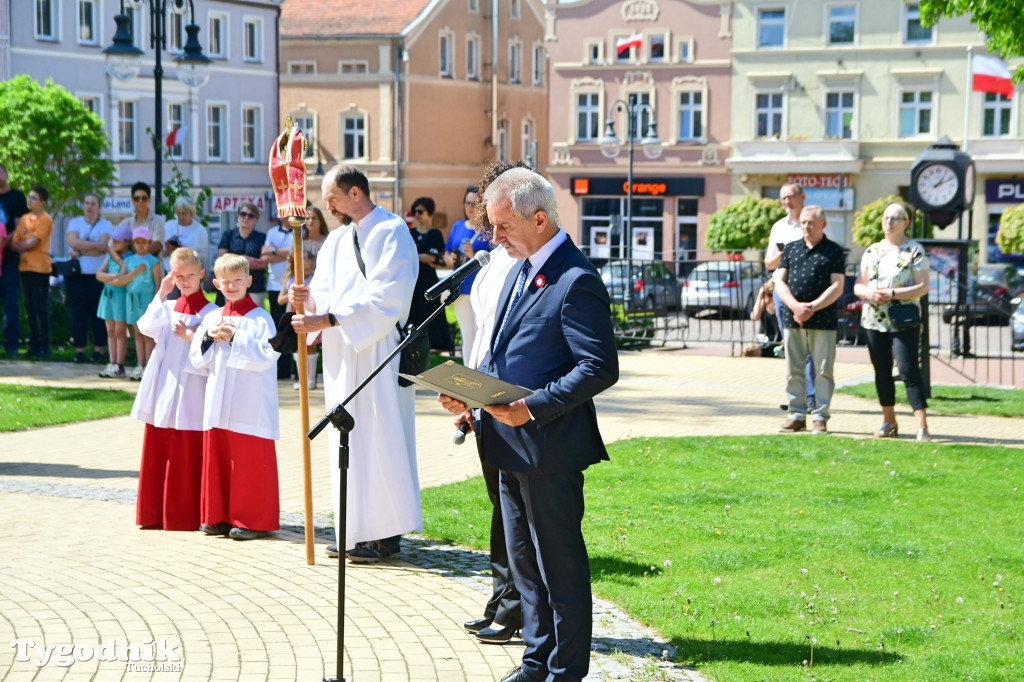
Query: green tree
{"x": 745, "y": 224}
{"x": 1010, "y": 238}
{"x": 867, "y": 224}
{"x": 999, "y": 20}
{"x": 51, "y": 139}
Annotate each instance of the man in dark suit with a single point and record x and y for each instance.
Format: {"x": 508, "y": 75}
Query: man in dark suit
{"x": 553, "y": 335}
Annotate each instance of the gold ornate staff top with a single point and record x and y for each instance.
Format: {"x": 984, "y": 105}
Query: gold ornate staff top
{"x": 288, "y": 171}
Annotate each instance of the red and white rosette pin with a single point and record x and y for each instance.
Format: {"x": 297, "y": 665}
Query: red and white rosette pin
{"x": 539, "y": 281}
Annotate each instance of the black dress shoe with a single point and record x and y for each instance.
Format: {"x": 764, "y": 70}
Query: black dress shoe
{"x": 222, "y": 528}
{"x": 246, "y": 534}
{"x": 497, "y": 635}
{"x": 476, "y": 625}
{"x": 516, "y": 675}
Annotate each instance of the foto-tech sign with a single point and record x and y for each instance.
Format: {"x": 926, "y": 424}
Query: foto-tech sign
{"x": 647, "y": 187}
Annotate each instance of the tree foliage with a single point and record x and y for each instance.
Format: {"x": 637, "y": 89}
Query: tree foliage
{"x": 867, "y": 224}
{"x": 51, "y": 139}
{"x": 999, "y": 20}
{"x": 1010, "y": 238}
{"x": 745, "y": 224}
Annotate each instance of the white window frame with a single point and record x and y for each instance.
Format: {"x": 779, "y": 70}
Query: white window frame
{"x": 472, "y": 56}
{"x": 917, "y": 108}
{"x": 515, "y": 60}
{"x": 302, "y": 63}
{"x": 54, "y": 10}
{"x": 137, "y": 21}
{"x": 825, "y": 110}
{"x": 310, "y": 132}
{"x": 538, "y": 63}
{"x": 997, "y": 106}
{"x": 632, "y": 56}
{"x": 252, "y": 53}
{"x": 515, "y": 10}
{"x": 359, "y": 66}
{"x": 781, "y": 133}
{"x": 501, "y": 143}
{"x": 353, "y": 113}
{"x": 222, "y": 35}
{"x": 474, "y": 6}
{"x": 643, "y": 120}
{"x": 586, "y": 86}
{"x": 446, "y": 53}
{"x": 224, "y": 130}
{"x": 97, "y": 9}
{"x": 134, "y": 131}
{"x": 684, "y": 50}
{"x": 257, "y": 132}
{"x": 97, "y": 98}
{"x": 588, "y": 50}
{"x": 757, "y": 28}
{"x": 694, "y": 85}
{"x": 527, "y": 135}
{"x": 908, "y": 9}
{"x": 666, "y": 47}
{"x": 828, "y": 23}
{"x": 183, "y": 121}
{"x": 176, "y": 29}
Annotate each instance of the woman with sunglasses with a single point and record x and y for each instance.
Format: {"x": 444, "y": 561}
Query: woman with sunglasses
{"x": 246, "y": 240}
{"x": 463, "y": 242}
{"x": 144, "y": 216}
{"x": 430, "y": 246}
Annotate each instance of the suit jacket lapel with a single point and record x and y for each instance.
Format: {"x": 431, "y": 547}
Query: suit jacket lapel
{"x": 531, "y": 294}
{"x": 506, "y": 295}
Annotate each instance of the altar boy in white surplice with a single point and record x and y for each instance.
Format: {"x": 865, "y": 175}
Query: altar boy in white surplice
{"x": 240, "y": 421}
{"x": 170, "y": 401}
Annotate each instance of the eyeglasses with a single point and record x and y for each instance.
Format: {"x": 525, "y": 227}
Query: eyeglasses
{"x": 893, "y": 219}
{"x": 246, "y": 214}
{"x": 140, "y": 197}
{"x": 419, "y": 211}
{"x": 473, "y": 189}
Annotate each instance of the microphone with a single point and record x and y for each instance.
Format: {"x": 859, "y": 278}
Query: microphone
{"x": 462, "y": 272}
{"x": 459, "y": 437}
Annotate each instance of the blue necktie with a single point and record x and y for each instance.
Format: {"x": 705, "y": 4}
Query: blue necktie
{"x": 524, "y": 274}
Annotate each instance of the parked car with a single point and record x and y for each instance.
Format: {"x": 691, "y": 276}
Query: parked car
{"x": 728, "y": 287}
{"x": 989, "y": 298}
{"x": 639, "y": 285}
{"x": 1017, "y": 328}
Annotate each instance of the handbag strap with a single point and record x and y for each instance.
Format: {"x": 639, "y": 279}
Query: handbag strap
{"x": 362, "y": 269}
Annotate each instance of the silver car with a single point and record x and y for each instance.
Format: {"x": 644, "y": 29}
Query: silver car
{"x": 728, "y": 287}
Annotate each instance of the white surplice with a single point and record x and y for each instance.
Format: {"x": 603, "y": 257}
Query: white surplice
{"x": 383, "y": 485}
{"x": 172, "y": 391}
{"x": 241, "y": 392}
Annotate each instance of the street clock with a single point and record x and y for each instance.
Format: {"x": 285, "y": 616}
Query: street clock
{"x": 942, "y": 182}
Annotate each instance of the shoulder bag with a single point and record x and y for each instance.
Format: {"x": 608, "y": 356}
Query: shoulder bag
{"x": 903, "y": 315}
{"x": 415, "y": 357}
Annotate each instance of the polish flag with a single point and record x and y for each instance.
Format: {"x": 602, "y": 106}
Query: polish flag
{"x": 989, "y": 74}
{"x": 622, "y": 45}
{"x": 177, "y": 136}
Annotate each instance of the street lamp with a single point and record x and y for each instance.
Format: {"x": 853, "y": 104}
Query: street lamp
{"x": 610, "y": 147}
{"x": 124, "y": 60}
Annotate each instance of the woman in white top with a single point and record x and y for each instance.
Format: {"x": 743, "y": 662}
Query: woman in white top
{"x": 87, "y": 239}
{"x": 185, "y": 230}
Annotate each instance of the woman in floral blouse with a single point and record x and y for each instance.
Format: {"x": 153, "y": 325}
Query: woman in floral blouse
{"x": 895, "y": 268}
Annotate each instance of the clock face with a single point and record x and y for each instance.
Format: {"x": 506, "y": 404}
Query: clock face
{"x": 937, "y": 184}
{"x": 969, "y": 187}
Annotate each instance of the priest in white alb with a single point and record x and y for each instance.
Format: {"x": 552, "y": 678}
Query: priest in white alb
{"x": 362, "y": 287}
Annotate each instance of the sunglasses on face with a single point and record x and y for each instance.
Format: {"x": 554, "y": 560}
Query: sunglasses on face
{"x": 140, "y": 197}
{"x": 419, "y": 211}
{"x": 246, "y": 214}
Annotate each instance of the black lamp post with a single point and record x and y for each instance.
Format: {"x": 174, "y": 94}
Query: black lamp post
{"x": 124, "y": 60}
{"x": 610, "y": 148}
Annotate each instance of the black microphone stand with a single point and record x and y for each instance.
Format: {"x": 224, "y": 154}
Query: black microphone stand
{"x": 342, "y": 420}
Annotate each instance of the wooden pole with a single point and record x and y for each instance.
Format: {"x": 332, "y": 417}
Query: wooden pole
{"x": 307, "y": 470}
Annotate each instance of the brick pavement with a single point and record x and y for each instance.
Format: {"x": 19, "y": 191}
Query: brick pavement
{"x": 75, "y": 569}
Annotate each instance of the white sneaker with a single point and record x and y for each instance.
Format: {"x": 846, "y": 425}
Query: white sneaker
{"x": 112, "y": 371}
{"x": 135, "y": 374}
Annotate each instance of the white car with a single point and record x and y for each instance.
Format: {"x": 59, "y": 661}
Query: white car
{"x": 728, "y": 287}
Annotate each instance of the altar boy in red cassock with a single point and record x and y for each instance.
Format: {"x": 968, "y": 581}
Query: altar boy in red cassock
{"x": 170, "y": 402}
{"x": 239, "y": 490}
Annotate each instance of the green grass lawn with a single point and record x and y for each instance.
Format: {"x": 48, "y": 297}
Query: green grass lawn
{"x": 893, "y": 561}
{"x": 980, "y": 400}
{"x": 26, "y": 407}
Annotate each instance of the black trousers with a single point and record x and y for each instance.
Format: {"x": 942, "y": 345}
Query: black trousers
{"x": 36, "y": 287}
{"x": 84, "y": 296}
{"x": 882, "y": 346}
{"x": 284, "y": 363}
{"x": 504, "y": 606}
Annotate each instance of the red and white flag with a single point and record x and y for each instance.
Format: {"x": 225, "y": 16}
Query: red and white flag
{"x": 622, "y": 45}
{"x": 990, "y": 74}
{"x": 177, "y": 136}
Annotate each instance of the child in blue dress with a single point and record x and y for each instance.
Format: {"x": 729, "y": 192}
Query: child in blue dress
{"x": 115, "y": 277}
{"x": 140, "y": 293}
